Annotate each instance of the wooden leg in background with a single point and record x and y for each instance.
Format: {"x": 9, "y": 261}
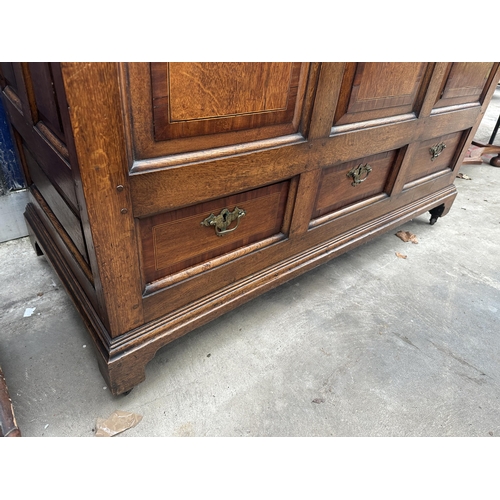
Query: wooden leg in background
{"x": 495, "y": 161}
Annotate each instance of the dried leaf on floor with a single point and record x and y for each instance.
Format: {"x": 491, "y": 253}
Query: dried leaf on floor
{"x": 117, "y": 422}
{"x": 401, "y": 256}
{"x": 407, "y": 236}
{"x": 464, "y": 176}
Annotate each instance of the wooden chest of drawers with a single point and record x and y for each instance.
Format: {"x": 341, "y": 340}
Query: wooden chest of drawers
{"x": 166, "y": 194}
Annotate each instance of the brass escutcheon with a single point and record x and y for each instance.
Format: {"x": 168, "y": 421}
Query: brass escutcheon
{"x": 222, "y": 221}
{"x": 359, "y": 173}
{"x": 436, "y": 150}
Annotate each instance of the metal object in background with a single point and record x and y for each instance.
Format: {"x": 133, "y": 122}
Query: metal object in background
{"x": 495, "y": 130}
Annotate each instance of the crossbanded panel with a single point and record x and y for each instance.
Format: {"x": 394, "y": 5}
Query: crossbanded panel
{"x": 199, "y": 99}
{"x": 337, "y": 191}
{"x": 177, "y": 239}
{"x": 379, "y": 90}
{"x": 424, "y": 164}
{"x": 464, "y": 84}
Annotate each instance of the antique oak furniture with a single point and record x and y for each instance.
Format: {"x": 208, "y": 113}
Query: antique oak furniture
{"x": 165, "y": 194}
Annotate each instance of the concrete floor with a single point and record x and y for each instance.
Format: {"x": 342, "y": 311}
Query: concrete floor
{"x": 367, "y": 345}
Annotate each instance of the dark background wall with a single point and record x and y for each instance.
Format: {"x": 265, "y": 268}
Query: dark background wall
{"x": 11, "y": 177}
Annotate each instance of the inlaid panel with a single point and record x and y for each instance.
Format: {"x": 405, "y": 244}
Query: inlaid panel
{"x": 341, "y": 185}
{"x": 378, "y": 90}
{"x": 431, "y": 157}
{"x": 196, "y": 99}
{"x": 176, "y": 240}
{"x": 465, "y": 83}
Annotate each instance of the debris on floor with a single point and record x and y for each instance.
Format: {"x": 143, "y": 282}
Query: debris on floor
{"x": 401, "y": 256}
{"x": 463, "y": 176}
{"x": 117, "y": 422}
{"x": 318, "y": 400}
{"x": 407, "y": 236}
{"x": 28, "y": 312}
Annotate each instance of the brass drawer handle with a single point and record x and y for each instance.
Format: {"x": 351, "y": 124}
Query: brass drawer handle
{"x": 359, "y": 173}
{"x": 436, "y": 150}
{"x": 222, "y": 221}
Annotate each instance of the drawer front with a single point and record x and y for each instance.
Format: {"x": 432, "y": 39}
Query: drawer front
{"x": 342, "y": 185}
{"x": 431, "y": 157}
{"x": 182, "y": 238}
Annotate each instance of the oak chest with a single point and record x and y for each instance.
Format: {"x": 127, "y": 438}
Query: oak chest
{"x": 166, "y": 194}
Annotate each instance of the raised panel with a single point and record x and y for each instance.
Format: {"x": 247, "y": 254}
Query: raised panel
{"x": 177, "y": 239}
{"x": 465, "y": 83}
{"x": 8, "y": 74}
{"x": 65, "y": 216}
{"x": 45, "y": 97}
{"x": 379, "y": 90}
{"x": 336, "y": 186}
{"x": 198, "y": 99}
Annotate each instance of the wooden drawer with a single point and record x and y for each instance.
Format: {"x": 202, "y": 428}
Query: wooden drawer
{"x": 178, "y": 239}
{"x": 339, "y": 189}
{"x": 425, "y": 163}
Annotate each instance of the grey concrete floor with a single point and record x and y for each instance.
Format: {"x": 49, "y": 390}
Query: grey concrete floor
{"x": 367, "y": 345}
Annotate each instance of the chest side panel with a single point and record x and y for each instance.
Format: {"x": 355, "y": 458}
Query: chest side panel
{"x": 41, "y": 132}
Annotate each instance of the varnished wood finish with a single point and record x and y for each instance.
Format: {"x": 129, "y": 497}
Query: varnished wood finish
{"x": 216, "y": 132}
{"x": 465, "y": 83}
{"x": 151, "y": 150}
{"x": 176, "y": 240}
{"x": 337, "y": 189}
{"x": 196, "y": 99}
{"x": 67, "y": 218}
{"x": 100, "y": 147}
{"x": 45, "y": 97}
{"x": 377, "y": 90}
{"x": 423, "y": 162}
